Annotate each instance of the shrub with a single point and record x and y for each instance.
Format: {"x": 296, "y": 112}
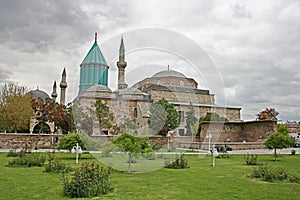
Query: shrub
{"x": 88, "y": 181}
{"x": 12, "y": 153}
{"x": 250, "y": 159}
{"x": 29, "y": 160}
{"x": 293, "y": 152}
{"x": 107, "y": 148}
{"x": 56, "y": 165}
{"x": 179, "y": 163}
{"x": 68, "y": 141}
{"x": 294, "y": 178}
{"x": 270, "y": 174}
{"x": 223, "y": 155}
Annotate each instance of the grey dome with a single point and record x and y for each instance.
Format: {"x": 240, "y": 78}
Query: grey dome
{"x": 39, "y": 94}
{"x": 130, "y": 90}
{"x": 168, "y": 73}
{"x": 98, "y": 88}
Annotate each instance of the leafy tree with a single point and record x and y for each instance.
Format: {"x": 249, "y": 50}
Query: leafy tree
{"x": 128, "y": 125}
{"x": 15, "y": 108}
{"x": 215, "y": 117}
{"x": 191, "y": 120}
{"x": 163, "y": 117}
{"x": 132, "y": 144}
{"x": 68, "y": 141}
{"x": 279, "y": 140}
{"x": 82, "y": 119}
{"x": 49, "y": 111}
{"x": 103, "y": 114}
{"x": 268, "y": 113}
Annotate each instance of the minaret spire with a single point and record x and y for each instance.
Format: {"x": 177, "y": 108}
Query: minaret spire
{"x": 121, "y": 65}
{"x": 54, "y": 93}
{"x": 63, "y": 86}
{"x": 96, "y": 35}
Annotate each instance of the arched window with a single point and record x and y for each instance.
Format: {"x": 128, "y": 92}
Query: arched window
{"x": 135, "y": 113}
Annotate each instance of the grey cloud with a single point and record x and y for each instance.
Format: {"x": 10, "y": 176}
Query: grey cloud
{"x": 239, "y": 11}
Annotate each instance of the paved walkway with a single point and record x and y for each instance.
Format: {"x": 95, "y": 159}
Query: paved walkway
{"x": 250, "y": 151}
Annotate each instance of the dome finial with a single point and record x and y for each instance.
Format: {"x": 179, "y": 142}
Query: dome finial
{"x": 168, "y": 67}
{"x": 96, "y": 37}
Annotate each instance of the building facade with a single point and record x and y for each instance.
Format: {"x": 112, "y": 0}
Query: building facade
{"x": 134, "y": 102}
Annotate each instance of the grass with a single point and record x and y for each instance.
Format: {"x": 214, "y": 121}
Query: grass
{"x": 228, "y": 180}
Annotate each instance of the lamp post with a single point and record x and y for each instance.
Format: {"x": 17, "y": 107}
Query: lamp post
{"x": 209, "y": 137}
{"x": 76, "y": 149}
{"x": 168, "y": 136}
{"x": 215, "y": 153}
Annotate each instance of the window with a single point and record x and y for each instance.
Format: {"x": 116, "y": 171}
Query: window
{"x": 181, "y": 132}
{"x": 135, "y": 113}
{"x": 181, "y": 83}
{"x": 181, "y": 116}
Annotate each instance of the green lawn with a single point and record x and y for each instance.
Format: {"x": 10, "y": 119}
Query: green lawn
{"x": 228, "y": 180}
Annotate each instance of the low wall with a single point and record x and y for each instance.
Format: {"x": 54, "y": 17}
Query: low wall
{"x": 252, "y": 131}
{"x": 20, "y": 140}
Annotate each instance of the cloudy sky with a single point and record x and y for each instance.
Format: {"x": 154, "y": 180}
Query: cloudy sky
{"x": 251, "y": 48}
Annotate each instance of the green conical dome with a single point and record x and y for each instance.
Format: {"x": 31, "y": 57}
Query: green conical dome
{"x": 94, "y": 55}
{"x": 93, "y": 69}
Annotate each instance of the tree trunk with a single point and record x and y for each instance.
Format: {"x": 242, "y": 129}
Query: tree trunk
{"x": 275, "y": 154}
{"x": 129, "y": 163}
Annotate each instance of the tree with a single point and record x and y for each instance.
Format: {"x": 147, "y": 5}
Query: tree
{"x": 69, "y": 141}
{"x": 82, "y": 118}
{"x": 191, "y": 120}
{"x": 215, "y": 117}
{"x": 103, "y": 115}
{"x": 163, "y": 117}
{"x": 279, "y": 140}
{"x": 132, "y": 144}
{"x": 15, "y": 108}
{"x": 268, "y": 113}
{"x": 128, "y": 126}
{"x": 49, "y": 111}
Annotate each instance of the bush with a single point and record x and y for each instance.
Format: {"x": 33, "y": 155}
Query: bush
{"x": 293, "y": 178}
{"x": 88, "y": 181}
{"x": 293, "y": 152}
{"x": 12, "y": 153}
{"x": 56, "y": 165}
{"x": 223, "y": 155}
{"x": 107, "y": 148}
{"x": 68, "y": 141}
{"x": 270, "y": 174}
{"x": 29, "y": 160}
{"x": 250, "y": 159}
{"x": 179, "y": 163}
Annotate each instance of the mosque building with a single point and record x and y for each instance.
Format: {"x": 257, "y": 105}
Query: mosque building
{"x": 134, "y": 102}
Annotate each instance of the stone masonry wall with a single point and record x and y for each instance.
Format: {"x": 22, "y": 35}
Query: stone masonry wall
{"x": 253, "y": 131}
{"x": 20, "y": 140}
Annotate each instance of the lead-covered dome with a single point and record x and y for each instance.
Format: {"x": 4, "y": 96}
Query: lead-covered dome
{"x": 39, "y": 94}
{"x": 168, "y": 73}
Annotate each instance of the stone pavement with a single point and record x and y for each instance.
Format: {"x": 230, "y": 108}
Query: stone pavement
{"x": 250, "y": 151}
{"x": 265, "y": 151}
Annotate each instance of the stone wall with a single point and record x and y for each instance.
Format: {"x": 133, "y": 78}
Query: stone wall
{"x": 20, "y": 140}
{"x": 252, "y": 131}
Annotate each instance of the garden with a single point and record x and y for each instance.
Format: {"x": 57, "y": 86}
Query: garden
{"x": 231, "y": 178}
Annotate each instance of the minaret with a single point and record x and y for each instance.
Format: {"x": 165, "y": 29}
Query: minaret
{"x": 54, "y": 94}
{"x": 121, "y": 65}
{"x": 63, "y": 86}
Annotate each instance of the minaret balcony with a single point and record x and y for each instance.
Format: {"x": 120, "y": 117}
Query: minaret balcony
{"x": 122, "y": 64}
